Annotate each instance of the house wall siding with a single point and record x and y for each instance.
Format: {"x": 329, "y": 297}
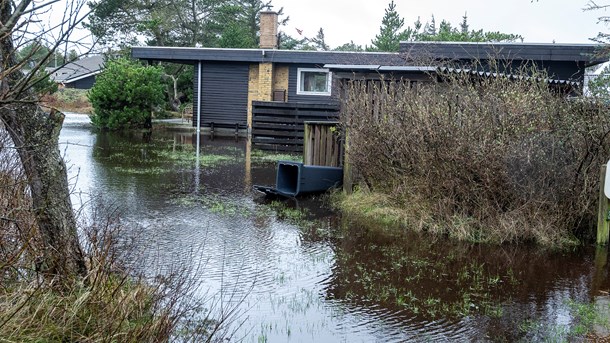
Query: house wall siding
{"x": 85, "y": 83}
{"x": 224, "y": 94}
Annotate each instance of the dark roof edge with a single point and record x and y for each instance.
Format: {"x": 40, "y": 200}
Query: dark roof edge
{"x": 193, "y": 55}
{"x": 588, "y": 53}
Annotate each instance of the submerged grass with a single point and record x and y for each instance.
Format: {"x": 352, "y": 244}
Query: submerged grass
{"x": 296, "y": 216}
{"x": 215, "y": 204}
{"x": 402, "y": 272}
{"x": 186, "y": 154}
{"x": 590, "y": 323}
{"x": 270, "y": 156}
{"x": 377, "y": 209}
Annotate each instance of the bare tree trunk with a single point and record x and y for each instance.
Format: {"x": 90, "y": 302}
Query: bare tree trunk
{"x": 35, "y": 135}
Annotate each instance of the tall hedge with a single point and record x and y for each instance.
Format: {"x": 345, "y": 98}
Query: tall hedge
{"x": 483, "y": 159}
{"x": 125, "y": 94}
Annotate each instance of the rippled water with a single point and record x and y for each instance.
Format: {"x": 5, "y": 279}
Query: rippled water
{"x": 303, "y": 274}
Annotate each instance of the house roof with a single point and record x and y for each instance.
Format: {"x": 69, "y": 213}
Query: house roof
{"x": 587, "y": 53}
{"x": 562, "y": 61}
{"x": 193, "y": 55}
{"x": 78, "y": 69}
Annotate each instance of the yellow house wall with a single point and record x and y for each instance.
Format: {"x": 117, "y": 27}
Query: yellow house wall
{"x": 263, "y": 79}
{"x": 280, "y": 79}
{"x": 265, "y": 82}
{"x": 252, "y": 90}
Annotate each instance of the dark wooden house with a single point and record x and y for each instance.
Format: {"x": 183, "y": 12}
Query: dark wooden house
{"x": 271, "y": 91}
{"x": 79, "y": 74}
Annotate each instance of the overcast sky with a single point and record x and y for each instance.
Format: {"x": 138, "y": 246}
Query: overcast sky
{"x": 544, "y": 21}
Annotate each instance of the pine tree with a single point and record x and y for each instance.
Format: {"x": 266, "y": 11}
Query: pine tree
{"x": 430, "y": 28}
{"x": 464, "y": 27}
{"x": 319, "y": 42}
{"x": 390, "y": 32}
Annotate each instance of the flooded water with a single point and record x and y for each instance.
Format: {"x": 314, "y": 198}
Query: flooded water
{"x": 297, "y": 272}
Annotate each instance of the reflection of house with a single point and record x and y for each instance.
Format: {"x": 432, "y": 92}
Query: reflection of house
{"x": 230, "y": 84}
{"x": 80, "y": 73}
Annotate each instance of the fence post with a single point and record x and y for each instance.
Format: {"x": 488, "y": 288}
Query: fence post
{"x": 602, "y": 215}
{"x": 348, "y": 177}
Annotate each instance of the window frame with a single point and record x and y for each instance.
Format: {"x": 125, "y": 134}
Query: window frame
{"x": 329, "y": 81}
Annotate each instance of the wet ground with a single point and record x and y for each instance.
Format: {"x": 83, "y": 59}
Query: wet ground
{"x": 297, "y": 272}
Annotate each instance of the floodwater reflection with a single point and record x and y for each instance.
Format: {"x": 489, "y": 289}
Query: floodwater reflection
{"x": 307, "y": 275}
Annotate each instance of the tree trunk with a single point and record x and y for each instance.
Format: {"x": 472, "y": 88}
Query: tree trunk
{"x": 35, "y": 135}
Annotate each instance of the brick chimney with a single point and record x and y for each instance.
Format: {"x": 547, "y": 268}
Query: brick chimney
{"x": 268, "y": 37}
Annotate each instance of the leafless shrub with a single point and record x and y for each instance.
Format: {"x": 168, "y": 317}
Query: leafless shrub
{"x": 494, "y": 158}
{"x": 116, "y": 300}
{"x": 18, "y": 232}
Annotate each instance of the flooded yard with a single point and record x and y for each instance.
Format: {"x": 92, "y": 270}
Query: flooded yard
{"x": 298, "y": 272}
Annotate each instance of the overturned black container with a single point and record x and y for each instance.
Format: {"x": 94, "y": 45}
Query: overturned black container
{"x": 295, "y": 178}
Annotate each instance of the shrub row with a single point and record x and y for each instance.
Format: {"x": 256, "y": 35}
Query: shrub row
{"x": 493, "y": 159}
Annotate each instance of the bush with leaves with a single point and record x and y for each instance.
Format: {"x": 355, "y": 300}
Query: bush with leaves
{"x": 125, "y": 94}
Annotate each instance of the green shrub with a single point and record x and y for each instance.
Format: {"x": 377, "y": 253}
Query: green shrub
{"x": 125, "y": 94}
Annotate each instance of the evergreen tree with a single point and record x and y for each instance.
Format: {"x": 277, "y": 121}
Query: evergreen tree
{"x": 36, "y": 53}
{"x": 430, "y": 28}
{"x": 73, "y": 55}
{"x": 318, "y": 41}
{"x": 125, "y": 94}
{"x": 390, "y": 31}
{"x": 447, "y": 33}
{"x": 464, "y": 27}
{"x": 351, "y": 46}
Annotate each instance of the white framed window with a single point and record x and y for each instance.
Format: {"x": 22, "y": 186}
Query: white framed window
{"x": 314, "y": 81}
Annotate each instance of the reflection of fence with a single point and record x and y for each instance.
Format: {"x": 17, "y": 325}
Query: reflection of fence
{"x": 280, "y": 125}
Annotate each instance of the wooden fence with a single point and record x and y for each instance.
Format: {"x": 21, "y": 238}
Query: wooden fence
{"x": 279, "y": 126}
{"x": 323, "y": 145}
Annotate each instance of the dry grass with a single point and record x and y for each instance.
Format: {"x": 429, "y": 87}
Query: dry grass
{"x": 113, "y": 303}
{"x": 484, "y": 160}
{"x": 69, "y": 100}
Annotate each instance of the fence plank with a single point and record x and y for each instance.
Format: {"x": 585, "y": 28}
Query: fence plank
{"x": 279, "y": 125}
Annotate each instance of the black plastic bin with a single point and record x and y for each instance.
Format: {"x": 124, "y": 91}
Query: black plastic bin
{"x": 295, "y": 178}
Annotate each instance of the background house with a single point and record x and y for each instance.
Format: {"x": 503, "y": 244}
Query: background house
{"x": 79, "y": 74}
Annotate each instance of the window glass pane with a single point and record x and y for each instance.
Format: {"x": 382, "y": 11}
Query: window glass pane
{"x": 314, "y": 81}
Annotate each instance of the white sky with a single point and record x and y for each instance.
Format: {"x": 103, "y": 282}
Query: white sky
{"x": 545, "y": 21}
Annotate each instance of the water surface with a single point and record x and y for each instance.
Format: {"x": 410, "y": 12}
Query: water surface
{"x": 300, "y": 273}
